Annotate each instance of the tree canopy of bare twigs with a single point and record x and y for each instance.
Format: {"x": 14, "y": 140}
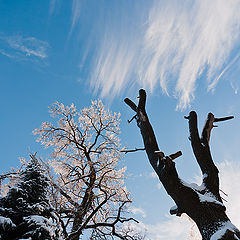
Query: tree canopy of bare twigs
{"x": 86, "y": 176}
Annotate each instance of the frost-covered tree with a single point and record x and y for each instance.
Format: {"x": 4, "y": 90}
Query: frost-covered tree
{"x": 9, "y": 179}
{"x": 25, "y": 212}
{"x": 203, "y": 204}
{"x": 87, "y": 180}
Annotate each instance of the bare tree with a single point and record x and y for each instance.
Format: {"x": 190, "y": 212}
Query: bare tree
{"x": 203, "y": 204}
{"x": 88, "y": 188}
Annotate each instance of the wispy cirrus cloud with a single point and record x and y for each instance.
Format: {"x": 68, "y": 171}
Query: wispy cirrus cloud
{"x": 138, "y": 211}
{"x": 172, "y": 228}
{"x": 76, "y": 11}
{"x": 23, "y": 48}
{"x": 52, "y": 6}
{"x": 184, "y": 39}
{"x": 171, "y": 46}
{"x": 113, "y": 67}
{"x": 229, "y": 179}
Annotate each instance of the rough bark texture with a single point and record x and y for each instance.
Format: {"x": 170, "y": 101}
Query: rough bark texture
{"x": 204, "y": 205}
{"x": 83, "y": 208}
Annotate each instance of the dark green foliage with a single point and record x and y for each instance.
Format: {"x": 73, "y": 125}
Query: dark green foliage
{"x": 25, "y": 213}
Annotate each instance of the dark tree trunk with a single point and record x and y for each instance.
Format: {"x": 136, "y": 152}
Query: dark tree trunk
{"x": 204, "y": 204}
{"x": 84, "y": 207}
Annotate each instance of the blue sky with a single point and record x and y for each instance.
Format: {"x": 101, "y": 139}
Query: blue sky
{"x": 186, "y": 55}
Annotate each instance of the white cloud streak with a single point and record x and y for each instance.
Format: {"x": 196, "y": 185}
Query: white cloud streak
{"x": 52, "y": 6}
{"x": 229, "y": 176}
{"x": 172, "y": 228}
{"x": 186, "y": 38}
{"x": 138, "y": 210}
{"x": 76, "y": 11}
{"x": 215, "y": 81}
{"x": 23, "y": 48}
{"x": 179, "y": 42}
{"x": 113, "y": 67}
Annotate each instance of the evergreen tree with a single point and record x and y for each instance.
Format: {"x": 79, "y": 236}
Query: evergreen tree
{"x": 25, "y": 212}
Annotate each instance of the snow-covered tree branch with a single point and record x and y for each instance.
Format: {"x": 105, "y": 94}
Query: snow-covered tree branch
{"x": 202, "y": 203}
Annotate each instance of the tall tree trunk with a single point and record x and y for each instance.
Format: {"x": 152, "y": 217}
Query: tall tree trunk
{"x": 84, "y": 207}
{"x": 204, "y": 204}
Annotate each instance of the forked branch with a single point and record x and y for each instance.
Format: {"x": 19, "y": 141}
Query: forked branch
{"x": 209, "y": 125}
{"x": 202, "y": 152}
{"x": 163, "y": 165}
{"x": 204, "y": 205}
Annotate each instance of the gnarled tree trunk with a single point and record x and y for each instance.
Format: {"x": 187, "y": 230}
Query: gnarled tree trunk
{"x": 202, "y": 204}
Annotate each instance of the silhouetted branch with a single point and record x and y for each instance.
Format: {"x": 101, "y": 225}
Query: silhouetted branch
{"x": 175, "y": 155}
{"x": 203, "y": 204}
{"x": 223, "y": 119}
{"x": 133, "y": 150}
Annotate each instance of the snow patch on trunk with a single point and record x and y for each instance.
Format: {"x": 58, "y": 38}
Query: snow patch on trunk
{"x": 222, "y": 230}
{"x": 208, "y": 197}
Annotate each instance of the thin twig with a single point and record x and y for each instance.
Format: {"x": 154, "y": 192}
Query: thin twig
{"x": 134, "y": 117}
{"x": 223, "y": 192}
{"x": 133, "y": 150}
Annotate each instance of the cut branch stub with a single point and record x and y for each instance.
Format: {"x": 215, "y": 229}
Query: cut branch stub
{"x": 223, "y": 119}
{"x": 143, "y": 123}
{"x": 202, "y": 151}
{"x": 175, "y": 155}
{"x": 203, "y": 205}
{"x": 207, "y": 129}
{"x": 160, "y": 163}
{"x": 176, "y": 211}
{"x": 142, "y": 100}
{"x": 141, "y": 104}
{"x": 160, "y": 154}
{"x": 131, "y": 104}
